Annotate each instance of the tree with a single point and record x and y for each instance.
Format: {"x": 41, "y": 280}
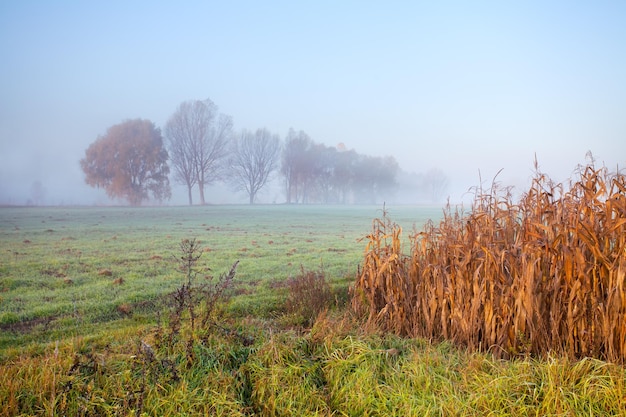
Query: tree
{"x": 344, "y": 173}
{"x": 315, "y": 172}
{"x": 129, "y": 162}
{"x": 326, "y": 164}
{"x": 296, "y": 165}
{"x": 254, "y": 157}
{"x": 198, "y": 139}
{"x": 37, "y": 193}
{"x": 436, "y": 184}
{"x": 374, "y": 177}
{"x": 181, "y": 155}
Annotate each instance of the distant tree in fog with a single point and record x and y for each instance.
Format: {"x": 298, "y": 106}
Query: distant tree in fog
{"x": 374, "y": 177}
{"x": 37, "y": 193}
{"x": 181, "y": 153}
{"x": 198, "y": 139}
{"x": 254, "y": 156}
{"x": 436, "y": 184}
{"x": 343, "y": 175}
{"x": 296, "y": 165}
{"x": 326, "y": 163}
{"x": 317, "y": 173}
{"x": 129, "y": 162}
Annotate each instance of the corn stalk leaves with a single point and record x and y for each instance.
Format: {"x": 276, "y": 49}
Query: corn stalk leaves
{"x": 542, "y": 275}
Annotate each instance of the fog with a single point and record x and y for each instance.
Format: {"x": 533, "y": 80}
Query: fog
{"x": 465, "y": 89}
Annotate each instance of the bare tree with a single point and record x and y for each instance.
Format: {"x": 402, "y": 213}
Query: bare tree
{"x": 254, "y": 157}
{"x": 198, "y": 140}
{"x": 436, "y": 184}
{"x": 181, "y": 153}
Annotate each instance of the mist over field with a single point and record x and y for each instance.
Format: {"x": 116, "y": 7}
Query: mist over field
{"x": 240, "y": 208}
{"x": 462, "y": 91}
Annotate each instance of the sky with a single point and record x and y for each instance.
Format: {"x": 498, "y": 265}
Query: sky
{"x": 466, "y": 87}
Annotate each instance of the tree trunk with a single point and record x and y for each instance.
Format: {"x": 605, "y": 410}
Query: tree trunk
{"x": 189, "y": 195}
{"x": 201, "y": 187}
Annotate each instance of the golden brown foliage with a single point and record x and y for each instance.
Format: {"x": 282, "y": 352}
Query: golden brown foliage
{"x": 544, "y": 275}
{"x": 129, "y": 162}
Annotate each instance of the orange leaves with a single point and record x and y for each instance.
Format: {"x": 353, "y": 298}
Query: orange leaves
{"x": 543, "y": 275}
{"x": 129, "y": 162}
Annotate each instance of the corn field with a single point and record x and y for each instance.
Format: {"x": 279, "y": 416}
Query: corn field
{"x": 545, "y": 275}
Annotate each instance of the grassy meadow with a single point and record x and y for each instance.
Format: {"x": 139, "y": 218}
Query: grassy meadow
{"x": 97, "y": 317}
{"x": 64, "y": 270}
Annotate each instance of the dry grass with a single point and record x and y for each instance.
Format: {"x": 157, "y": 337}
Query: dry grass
{"x": 309, "y": 294}
{"x": 545, "y": 275}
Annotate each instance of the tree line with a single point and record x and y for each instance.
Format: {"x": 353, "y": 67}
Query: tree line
{"x": 199, "y": 147}
{"x": 315, "y": 173}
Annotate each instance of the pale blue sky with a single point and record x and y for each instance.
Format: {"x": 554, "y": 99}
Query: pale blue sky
{"x": 457, "y": 85}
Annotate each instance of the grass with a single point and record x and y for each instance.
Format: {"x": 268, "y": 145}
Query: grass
{"x": 66, "y": 268}
{"x": 87, "y": 313}
{"x": 73, "y": 271}
{"x": 318, "y": 374}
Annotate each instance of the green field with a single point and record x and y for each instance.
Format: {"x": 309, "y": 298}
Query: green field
{"x": 60, "y": 268}
{"x": 86, "y": 302}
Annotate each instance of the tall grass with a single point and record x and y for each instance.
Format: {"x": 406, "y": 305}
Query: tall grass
{"x": 544, "y": 275}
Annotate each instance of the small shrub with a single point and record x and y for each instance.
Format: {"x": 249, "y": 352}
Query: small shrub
{"x": 308, "y": 295}
{"x": 195, "y": 301}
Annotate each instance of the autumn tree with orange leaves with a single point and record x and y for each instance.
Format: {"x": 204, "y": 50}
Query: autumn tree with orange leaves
{"x": 129, "y": 162}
